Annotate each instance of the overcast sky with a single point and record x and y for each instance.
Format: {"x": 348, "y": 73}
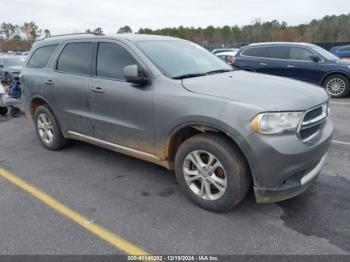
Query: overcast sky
{"x": 62, "y": 16}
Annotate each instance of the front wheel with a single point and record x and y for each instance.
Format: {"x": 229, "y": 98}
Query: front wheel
{"x": 212, "y": 172}
{"x": 337, "y": 86}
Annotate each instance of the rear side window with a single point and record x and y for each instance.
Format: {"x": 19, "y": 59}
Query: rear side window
{"x": 345, "y": 49}
{"x": 298, "y": 53}
{"x": 111, "y": 59}
{"x": 254, "y": 51}
{"x": 76, "y": 58}
{"x": 277, "y": 52}
{"x": 41, "y": 56}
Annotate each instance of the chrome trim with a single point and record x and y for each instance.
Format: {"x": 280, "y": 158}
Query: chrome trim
{"x": 320, "y": 119}
{"x": 281, "y": 59}
{"x": 317, "y": 120}
{"x": 118, "y": 148}
{"x": 314, "y": 172}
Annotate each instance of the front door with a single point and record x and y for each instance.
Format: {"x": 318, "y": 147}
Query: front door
{"x": 121, "y": 113}
{"x": 301, "y": 66}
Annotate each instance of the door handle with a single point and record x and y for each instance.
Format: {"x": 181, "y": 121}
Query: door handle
{"x": 290, "y": 66}
{"x": 49, "y": 82}
{"x": 263, "y": 64}
{"x": 97, "y": 90}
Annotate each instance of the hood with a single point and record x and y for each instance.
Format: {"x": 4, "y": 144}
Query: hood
{"x": 15, "y": 68}
{"x": 270, "y": 93}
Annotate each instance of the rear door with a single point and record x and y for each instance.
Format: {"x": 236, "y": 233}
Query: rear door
{"x": 68, "y": 86}
{"x": 275, "y": 61}
{"x": 122, "y": 113}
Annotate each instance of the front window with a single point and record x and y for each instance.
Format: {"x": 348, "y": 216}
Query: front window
{"x": 14, "y": 61}
{"x": 176, "y": 58}
{"x": 298, "y": 53}
{"x": 324, "y": 53}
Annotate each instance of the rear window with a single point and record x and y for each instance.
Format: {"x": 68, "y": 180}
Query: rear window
{"x": 76, "y": 58}
{"x": 41, "y": 56}
{"x": 277, "y": 52}
{"x": 254, "y": 51}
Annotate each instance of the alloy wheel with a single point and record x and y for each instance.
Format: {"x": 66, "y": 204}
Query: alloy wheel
{"x": 45, "y": 128}
{"x": 205, "y": 175}
{"x": 335, "y": 86}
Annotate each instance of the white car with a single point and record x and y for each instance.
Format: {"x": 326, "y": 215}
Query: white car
{"x": 221, "y": 50}
{"x": 228, "y": 57}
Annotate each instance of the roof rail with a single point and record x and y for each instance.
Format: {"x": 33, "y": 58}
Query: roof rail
{"x": 92, "y": 33}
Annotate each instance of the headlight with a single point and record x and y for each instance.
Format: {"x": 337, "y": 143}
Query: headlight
{"x": 276, "y": 122}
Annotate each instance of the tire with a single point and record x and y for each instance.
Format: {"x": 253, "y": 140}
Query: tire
{"x": 232, "y": 168}
{"x": 3, "y": 111}
{"x": 337, "y": 86}
{"x": 53, "y": 139}
{"x": 15, "y": 112}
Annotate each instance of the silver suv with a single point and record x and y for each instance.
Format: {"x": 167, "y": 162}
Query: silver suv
{"x": 171, "y": 102}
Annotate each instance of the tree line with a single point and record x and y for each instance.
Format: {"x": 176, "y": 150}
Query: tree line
{"x": 328, "y": 29}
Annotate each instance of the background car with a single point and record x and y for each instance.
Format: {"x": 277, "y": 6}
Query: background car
{"x": 220, "y": 50}
{"x": 302, "y": 61}
{"x": 10, "y": 68}
{"x": 228, "y": 57}
{"x": 342, "y": 52}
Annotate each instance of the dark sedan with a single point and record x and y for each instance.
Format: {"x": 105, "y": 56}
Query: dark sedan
{"x": 302, "y": 61}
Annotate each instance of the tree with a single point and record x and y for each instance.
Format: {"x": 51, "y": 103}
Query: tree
{"x": 47, "y": 33}
{"x": 98, "y": 30}
{"x": 124, "y": 29}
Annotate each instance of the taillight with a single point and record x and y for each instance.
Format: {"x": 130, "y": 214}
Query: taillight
{"x": 232, "y": 60}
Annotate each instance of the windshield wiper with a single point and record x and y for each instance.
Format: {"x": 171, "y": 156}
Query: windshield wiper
{"x": 189, "y": 75}
{"x": 219, "y": 71}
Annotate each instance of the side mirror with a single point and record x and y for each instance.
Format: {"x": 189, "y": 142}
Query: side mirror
{"x": 1, "y": 66}
{"x": 134, "y": 74}
{"x": 315, "y": 58}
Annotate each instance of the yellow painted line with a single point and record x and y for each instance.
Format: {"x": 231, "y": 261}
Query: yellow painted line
{"x": 340, "y": 142}
{"x": 113, "y": 239}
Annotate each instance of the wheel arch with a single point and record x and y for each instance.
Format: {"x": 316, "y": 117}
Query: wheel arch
{"x": 35, "y": 102}
{"x": 334, "y": 73}
{"x": 185, "y": 131}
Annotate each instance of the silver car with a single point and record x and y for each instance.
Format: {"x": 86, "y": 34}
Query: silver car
{"x": 10, "y": 67}
{"x": 171, "y": 102}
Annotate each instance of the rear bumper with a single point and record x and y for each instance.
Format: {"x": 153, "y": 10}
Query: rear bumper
{"x": 291, "y": 187}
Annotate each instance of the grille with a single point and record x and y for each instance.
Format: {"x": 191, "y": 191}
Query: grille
{"x": 312, "y": 123}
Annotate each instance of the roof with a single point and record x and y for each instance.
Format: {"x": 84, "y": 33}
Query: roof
{"x": 279, "y": 43}
{"x": 129, "y": 37}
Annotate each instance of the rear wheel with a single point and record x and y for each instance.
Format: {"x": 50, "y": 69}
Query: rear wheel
{"x": 212, "y": 172}
{"x": 337, "y": 86}
{"x": 48, "y": 130}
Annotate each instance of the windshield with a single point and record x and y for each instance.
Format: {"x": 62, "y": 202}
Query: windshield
{"x": 176, "y": 58}
{"x": 14, "y": 61}
{"x": 324, "y": 53}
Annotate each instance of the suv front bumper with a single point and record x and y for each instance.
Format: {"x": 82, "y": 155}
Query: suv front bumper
{"x": 291, "y": 187}
{"x": 283, "y": 166}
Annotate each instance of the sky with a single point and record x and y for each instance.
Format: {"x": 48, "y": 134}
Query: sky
{"x": 62, "y": 16}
